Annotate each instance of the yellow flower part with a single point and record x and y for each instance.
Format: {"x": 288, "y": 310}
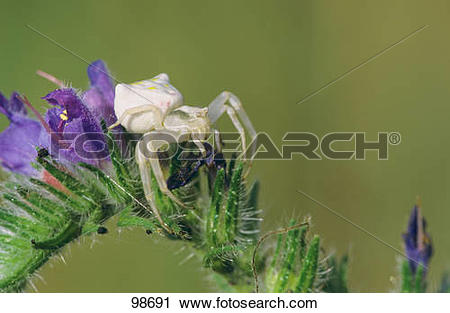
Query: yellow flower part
{"x": 63, "y": 116}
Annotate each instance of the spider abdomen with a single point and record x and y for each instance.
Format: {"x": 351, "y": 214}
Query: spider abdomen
{"x": 149, "y": 99}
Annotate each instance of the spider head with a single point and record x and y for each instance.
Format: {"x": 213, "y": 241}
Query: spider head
{"x": 188, "y": 119}
{"x": 201, "y": 113}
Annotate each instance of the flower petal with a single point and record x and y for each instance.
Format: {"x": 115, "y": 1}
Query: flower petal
{"x": 418, "y": 246}
{"x": 100, "y": 96}
{"x": 68, "y": 100}
{"x": 12, "y": 107}
{"x": 77, "y": 126}
{"x": 99, "y": 76}
{"x": 18, "y": 142}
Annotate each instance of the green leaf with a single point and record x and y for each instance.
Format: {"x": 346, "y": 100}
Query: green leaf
{"x": 72, "y": 184}
{"x": 337, "y": 278}
{"x": 121, "y": 167}
{"x": 128, "y": 219}
{"x": 309, "y": 267}
{"x": 419, "y": 281}
{"x": 233, "y": 204}
{"x": 406, "y": 277}
{"x": 69, "y": 201}
{"x": 113, "y": 188}
{"x": 271, "y": 278}
{"x": 68, "y": 233}
{"x": 212, "y": 224}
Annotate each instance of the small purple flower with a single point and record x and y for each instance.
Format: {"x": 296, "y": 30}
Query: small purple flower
{"x": 78, "y": 133}
{"x": 71, "y": 130}
{"x": 18, "y": 142}
{"x": 418, "y": 245}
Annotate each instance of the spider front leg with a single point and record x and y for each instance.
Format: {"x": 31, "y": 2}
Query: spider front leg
{"x": 144, "y": 171}
{"x": 229, "y": 103}
{"x": 197, "y": 139}
{"x": 149, "y": 145}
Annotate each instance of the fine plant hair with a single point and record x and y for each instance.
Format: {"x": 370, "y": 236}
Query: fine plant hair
{"x": 261, "y": 240}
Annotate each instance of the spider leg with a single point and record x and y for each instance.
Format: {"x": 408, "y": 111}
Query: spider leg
{"x": 237, "y": 124}
{"x": 153, "y": 139}
{"x": 136, "y": 110}
{"x": 217, "y": 140}
{"x": 197, "y": 140}
{"x": 144, "y": 170}
{"x": 229, "y": 103}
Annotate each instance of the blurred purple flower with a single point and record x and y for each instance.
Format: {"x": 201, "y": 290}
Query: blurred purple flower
{"x": 100, "y": 97}
{"x": 18, "y": 142}
{"x": 418, "y": 245}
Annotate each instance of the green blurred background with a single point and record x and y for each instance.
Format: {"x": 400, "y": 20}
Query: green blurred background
{"x": 271, "y": 54}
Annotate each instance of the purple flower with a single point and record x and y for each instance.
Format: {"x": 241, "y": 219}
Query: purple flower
{"x": 100, "y": 97}
{"x": 18, "y": 141}
{"x": 77, "y": 135}
{"x": 71, "y": 130}
{"x": 418, "y": 245}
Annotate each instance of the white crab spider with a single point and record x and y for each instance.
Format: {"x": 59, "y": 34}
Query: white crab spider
{"x": 154, "y": 107}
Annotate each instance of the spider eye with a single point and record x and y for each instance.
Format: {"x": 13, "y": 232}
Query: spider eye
{"x": 202, "y": 113}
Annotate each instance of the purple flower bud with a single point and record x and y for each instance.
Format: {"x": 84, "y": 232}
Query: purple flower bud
{"x": 418, "y": 245}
